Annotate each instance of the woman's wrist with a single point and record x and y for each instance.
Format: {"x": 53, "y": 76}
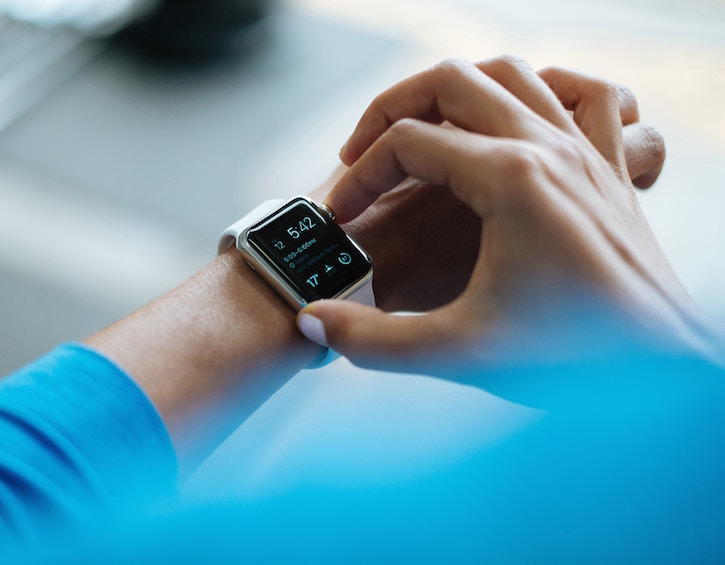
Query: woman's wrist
{"x": 209, "y": 352}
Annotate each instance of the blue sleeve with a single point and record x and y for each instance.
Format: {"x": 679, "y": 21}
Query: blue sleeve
{"x": 77, "y": 436}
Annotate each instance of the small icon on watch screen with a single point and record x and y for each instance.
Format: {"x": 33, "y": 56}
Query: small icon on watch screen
{"x": 344, "y": 258}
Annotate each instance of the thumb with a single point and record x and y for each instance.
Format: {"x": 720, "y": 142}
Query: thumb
{"x": 368, "y": 337}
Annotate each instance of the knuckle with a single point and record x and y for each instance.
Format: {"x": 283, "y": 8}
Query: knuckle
{"x": 400, "y": 133}
{"x": 452, "y": 66}
{"x": 626, "y": 96}
{"x": 402, "y": 127}
{"x": 511, "y": 63}
{"x": 554, "y": 70}
{"x": 605, "y": 91}
{"x": 378, "y": 108}
{"x": 653, "y": 144}
{"x": 397, "y": 138}
{"x": 523, "y": 166}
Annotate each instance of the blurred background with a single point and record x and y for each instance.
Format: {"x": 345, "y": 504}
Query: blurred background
{"x": 132, "y": 132}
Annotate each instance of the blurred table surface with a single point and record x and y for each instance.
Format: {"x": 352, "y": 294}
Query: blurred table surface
{"x": 116, "y": 175}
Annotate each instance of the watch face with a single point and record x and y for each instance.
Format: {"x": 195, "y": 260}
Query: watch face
{"x": 310, "y": 252}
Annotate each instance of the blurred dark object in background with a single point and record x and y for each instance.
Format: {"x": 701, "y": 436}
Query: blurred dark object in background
{"x": 157, "y": 29}
{"x": 193, "y": 29}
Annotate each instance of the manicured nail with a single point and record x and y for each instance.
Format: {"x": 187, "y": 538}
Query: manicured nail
{"x": 313, "y": 329}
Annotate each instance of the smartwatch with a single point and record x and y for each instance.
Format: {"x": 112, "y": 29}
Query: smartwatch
{"x": 298, "y": 249}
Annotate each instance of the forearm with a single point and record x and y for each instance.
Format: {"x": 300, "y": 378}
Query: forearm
{"x": 209, "y": 352}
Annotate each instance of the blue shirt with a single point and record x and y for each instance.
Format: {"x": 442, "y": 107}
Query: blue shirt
{"x": 625, "y": 462}
{"x": 79, "y": 438}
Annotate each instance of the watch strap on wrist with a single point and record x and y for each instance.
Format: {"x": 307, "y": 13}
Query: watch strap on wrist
{"x": 230, "y": 236}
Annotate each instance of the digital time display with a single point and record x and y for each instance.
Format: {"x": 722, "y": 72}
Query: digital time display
{"x": 310, "y": 252}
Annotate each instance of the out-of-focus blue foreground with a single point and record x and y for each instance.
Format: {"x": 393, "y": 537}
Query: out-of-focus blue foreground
{"x": 624, "y": 465}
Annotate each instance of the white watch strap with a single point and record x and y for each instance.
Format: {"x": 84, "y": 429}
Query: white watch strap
{"x": 230, "y": 235}
{"x": 363, "y": 295}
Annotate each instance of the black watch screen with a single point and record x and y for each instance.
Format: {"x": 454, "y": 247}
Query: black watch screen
{"x": 309, "y": 251}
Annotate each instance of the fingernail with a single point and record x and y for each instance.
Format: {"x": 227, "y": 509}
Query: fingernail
{"x": 342, "y": 149}
{"x": 313, "y": 329}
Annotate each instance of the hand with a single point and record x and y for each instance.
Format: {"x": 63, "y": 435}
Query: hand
{"x": 391, "y": 234}
{"x": 397, "y": 227}
{"x": 549, "y": 178}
